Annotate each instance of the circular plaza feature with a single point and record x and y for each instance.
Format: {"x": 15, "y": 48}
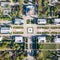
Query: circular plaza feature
{"x": 30, "y": 30}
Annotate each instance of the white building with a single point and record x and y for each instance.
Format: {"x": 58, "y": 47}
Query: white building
{"x": 57, "y": 39}
{"x": 54, "y": 1}
{"x": 4, "y": 4}
{"x": 6, "y": 11}
{"x": 18, "y": 39}
{"x": 2, "y": 0}
{"x": 30, "y": 10}
{"x": 42, "y": 39}
{"x": 5, "y": 30}
{"x": 18, "y": 21}
{"x": 57, "y": 21}
{"x": 30, "y": 0}
{"x": 30, "y": 7}
{"x": 41, "y": 21}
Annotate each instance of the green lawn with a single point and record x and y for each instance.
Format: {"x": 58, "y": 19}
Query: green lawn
{"x": 58, "y": 46}
{"x": 17, "y": 27}
{"x": 58, "y": 27}
{"x": 5, "y": 19}
{"x": 58, "y": 32}
{"x": 42, "y": 32}
{"x": 39, "y": 27}
{"x": 47, "y": 46}
{"x": 53, "y": 32}
{"x": 43, "y": 27}
{"x": 17, "y": 32}
{"x": 53, "y": 27}
{"x": 45, "y": 32}
{"x": 39, "y": 33}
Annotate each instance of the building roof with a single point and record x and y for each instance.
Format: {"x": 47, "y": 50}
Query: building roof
{"x": 30, "y": 6}
{"x": 30, "y": 0}
{"x": 56, "y": 0}
{"x": 2, "y": 0}
{"x": 4, "y": 4}
{"x": 6, "y": 11}
{"x": 41, "y": 38}
{"x": 41, "y": 21}
{"x": 18, "y": 21}
{"x": 57, "y": 39}
{"x": 5, "y": 30}
{"x": 57, "y": 21}
{"x": 18, "y": 39}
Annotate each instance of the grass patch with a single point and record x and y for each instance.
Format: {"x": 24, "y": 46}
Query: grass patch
{"x": 5, "y": 19}
{"x": 53, "y": 32}
{"x": 17, "y": 27}
{"x": 39, "y": 27}
{"x": 58, "y": 32}
{"x": 58, "y": 27}
{"x": 38, "y": 32}
{"x": 58, "y": 46}
{"x": 17, "y": 32}
{"x": 45, "y": 32}
{"x": 45, "y": 27}
{"x": 47, "y": 46}
{"x": 53, "y": 27}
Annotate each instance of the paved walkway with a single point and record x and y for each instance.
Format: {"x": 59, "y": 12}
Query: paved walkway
{"x": 29, "y": 58}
